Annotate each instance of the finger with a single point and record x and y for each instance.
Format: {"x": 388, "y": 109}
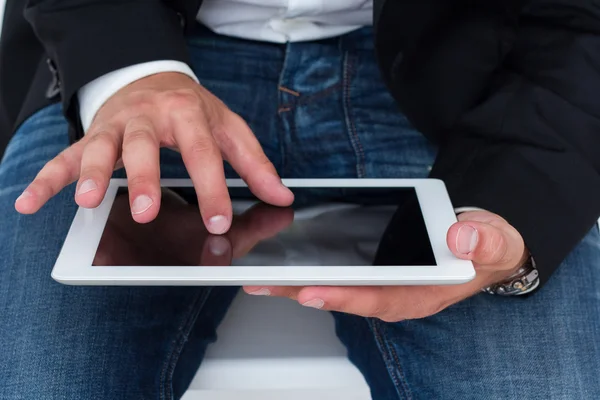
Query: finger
{"x": 388, "y": 303}
{"x": 141, "y": 159}
{"x": 97, "y": 165}
{"x": 52, "y": 178}
{"x": 216, "y": 251}
{"x": 290, "y": 292}
{"x": 245, "y": 154}
{"x": 260, "y": 223}
{"x": 367, "y": 301}
{"x": 486, "y": 244}
{"x": 205, "y": 166}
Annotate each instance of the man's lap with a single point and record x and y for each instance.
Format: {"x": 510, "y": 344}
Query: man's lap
{"x": 102, "y": 341}
{"x": 78, "y": 342}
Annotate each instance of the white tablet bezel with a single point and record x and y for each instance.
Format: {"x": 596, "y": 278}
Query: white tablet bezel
{"x": 74, "y": 264}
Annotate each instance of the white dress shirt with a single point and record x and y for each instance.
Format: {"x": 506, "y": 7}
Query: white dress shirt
{"x": 278, "y": 21}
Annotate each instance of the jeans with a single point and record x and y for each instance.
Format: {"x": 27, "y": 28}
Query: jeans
{"x": 319, "y": 109}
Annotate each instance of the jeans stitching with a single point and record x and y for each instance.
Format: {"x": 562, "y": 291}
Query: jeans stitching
{"x": 307, "y": 99}
{"x": 393, "y": 366}
{"x": 348, "y": 71}
{"x": 166, "y": 375}
{"x": 283, "y": 109}
{"x": 285, "y": 165}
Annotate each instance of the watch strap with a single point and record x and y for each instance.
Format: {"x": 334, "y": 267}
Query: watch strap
{"x": 524, "y": 281}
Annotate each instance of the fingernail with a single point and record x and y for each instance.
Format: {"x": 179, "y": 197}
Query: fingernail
{"x": 141, "y": 204}
{"x": 261, "y": 292}
{"x": 314, "y": 303}
{"x": 86, "y": 187}
{"x": 24, "y": 195}
{"x": 218, "y": 245}
{"x": 466, "y": 239}
{"x": 218, "y": 225}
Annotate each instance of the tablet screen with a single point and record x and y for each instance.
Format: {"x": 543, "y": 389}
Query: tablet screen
{"x": 324, "y": 227}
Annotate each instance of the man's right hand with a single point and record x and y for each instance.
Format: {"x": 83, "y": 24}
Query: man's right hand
{"x": 162, "y": 110}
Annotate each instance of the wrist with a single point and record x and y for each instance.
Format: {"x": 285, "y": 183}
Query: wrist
{"x": 525, "y": 279}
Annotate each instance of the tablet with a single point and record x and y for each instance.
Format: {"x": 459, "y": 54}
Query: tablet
{"x": 331, "y": 235}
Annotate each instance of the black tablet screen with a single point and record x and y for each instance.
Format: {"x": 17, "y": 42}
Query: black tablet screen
{"x": 324, "y": 226}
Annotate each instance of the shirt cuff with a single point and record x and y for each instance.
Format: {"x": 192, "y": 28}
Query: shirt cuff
{"x": 93, "y": 95}
{"x": 460, "y": 210}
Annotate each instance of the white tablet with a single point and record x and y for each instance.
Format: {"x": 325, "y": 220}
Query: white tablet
{"x": 333, "y": 234}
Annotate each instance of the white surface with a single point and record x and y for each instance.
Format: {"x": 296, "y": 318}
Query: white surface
{"x": 273, "y": 348}
{"x": 74, "y": 264}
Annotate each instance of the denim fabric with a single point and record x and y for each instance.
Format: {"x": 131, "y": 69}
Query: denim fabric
{"x": 320, "y": 110}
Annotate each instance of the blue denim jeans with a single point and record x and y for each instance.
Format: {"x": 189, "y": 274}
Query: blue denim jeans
{"x": 320, "y": 110}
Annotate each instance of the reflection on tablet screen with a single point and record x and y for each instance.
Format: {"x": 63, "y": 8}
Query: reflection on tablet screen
{"x": 324, "y": 226}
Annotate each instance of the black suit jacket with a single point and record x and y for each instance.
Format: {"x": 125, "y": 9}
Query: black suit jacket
{"x": 509, "y": 89}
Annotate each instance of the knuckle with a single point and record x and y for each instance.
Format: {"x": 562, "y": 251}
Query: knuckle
{"x": 141, "y": 99}
{"x": 428, "y": 309}
{"x": 384, "y": 312}
{"x": 95, "y": 171}
{"x": 61, "y": 161}
{"x": 102, "y": 137}
{"x": 497, "y": 220}
{"x": 292, "y": 294}
{"x": 45, "y": 185}
{"x": 423, "y": 307}
{"x": 99, "y": 172}
{"x": 137, "y": 135}
{"x": 139, "y": 180}
{"x": 391, "y": 318}
{"x": 264, "y": 162}
{"x": 432, "y": 310}
{"x": 222, "y": 134}
{"x": 181, "y": 99}
{"x": 59, "y": 166}
{"x": 202, "y": 147}
{"x": 495, "y": 249}
{"x": 209, "y": 202}
{"x": 144, "y": 107}
{"x": 140, "y": 122}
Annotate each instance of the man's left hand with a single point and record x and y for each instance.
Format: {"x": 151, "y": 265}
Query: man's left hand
{"x": 495, "y": 247}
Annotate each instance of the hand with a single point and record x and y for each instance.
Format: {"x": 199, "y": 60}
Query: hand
{"x": 496, "y": 249}
{"x": 178, "y": 236}
{"x": 163, "y": 110}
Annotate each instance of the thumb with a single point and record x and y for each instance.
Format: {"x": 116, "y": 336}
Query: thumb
{"x": 497, "y": 245}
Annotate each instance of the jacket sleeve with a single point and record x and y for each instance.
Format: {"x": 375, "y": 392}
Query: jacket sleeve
{"x": 530, "y": 149}
{"x": 85, "y": 39}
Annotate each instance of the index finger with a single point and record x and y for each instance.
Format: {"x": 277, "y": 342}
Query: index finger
{"x": 59, "y": 172}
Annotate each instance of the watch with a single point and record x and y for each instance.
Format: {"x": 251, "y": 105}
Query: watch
{"x": 524, "y": 281}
